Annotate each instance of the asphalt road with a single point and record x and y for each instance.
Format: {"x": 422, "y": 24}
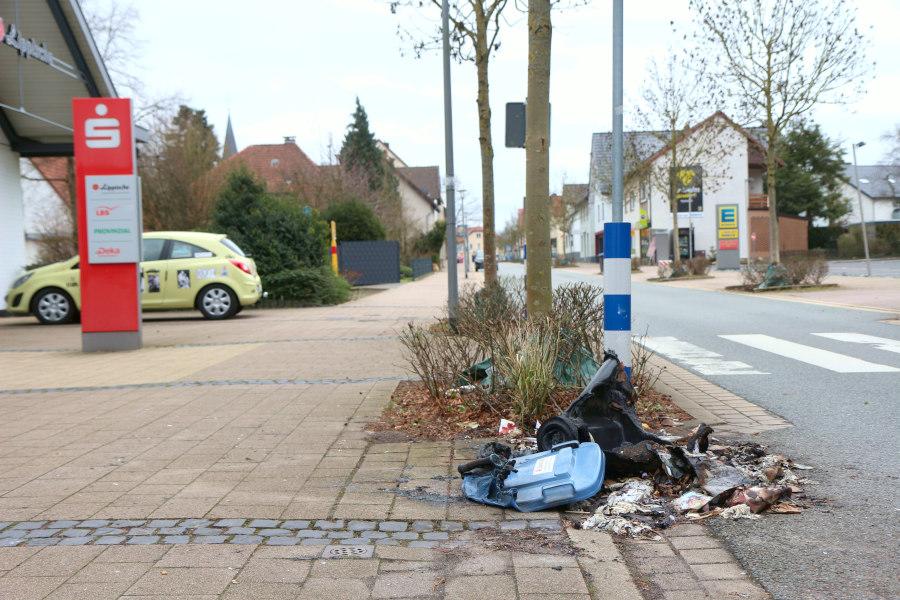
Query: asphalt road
{"x": 845, "y": 425}
{"x": 880, "y": 268}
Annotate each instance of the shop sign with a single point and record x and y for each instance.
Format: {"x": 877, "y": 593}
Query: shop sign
{"x": 26, "y": 47}
{"x": 728, "y": 234}
{"x": 689, "y": 188}
{"x": 728, "y": 244}
{"x": 113, "y": 219}
{"x": 728, "y": 217}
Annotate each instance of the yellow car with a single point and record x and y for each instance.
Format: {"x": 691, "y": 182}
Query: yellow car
{"x": 206, "y": 271}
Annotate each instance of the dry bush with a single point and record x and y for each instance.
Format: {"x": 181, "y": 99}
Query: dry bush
{"x": 577, "y": 317}
{"x": 526, "y": 363}
{"x": 699, "y": 265}
{"x": 643, "y": 375}
{"x": 484, "y": 314}
{"x": 805, "y": 269}
{"x": 437, "y": 357}
{"x": 635, "y": 264}
{"x": 754, "y": 272}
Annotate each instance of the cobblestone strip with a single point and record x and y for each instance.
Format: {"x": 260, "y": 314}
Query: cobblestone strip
{"x": 355, "y": 338}
{"x": 212, "y": 383}
{"x": 272, "y": 532}
{"x": 724, "y": 411}
{"x": 688, "y": 563}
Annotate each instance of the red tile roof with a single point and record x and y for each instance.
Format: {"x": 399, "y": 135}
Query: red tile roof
{"x": 56, "y": 172}
{"x": 278, "y": 165}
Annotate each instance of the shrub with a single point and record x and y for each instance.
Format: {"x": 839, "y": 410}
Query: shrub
{"x": 825, "y": 238}
{"x": 310, "y": 286}
{"x": 635, "y": 264}
{"x": 430, "y": 242}
{"x": 438, "y": 357}
{"x": 577, "y": 314}
{"x": 277, "y": 232}
{"x": 354, "y": 221}
{"x": 699, "y": 265}
{"x": 406, "y": 272}
{"x": 805, "y": 269}
{"x": 754, "y": 272}
{"x": 643, "y": 375}
{"x": 526, "y": 363}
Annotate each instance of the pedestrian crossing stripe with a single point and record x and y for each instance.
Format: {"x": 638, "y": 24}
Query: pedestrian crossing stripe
{"x": 701, "y": 360}
{"x": 861, "y": 338}
{"x": 839, "y": 363}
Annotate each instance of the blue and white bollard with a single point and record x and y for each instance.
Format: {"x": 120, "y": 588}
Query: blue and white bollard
{"x": 617, "y": 291}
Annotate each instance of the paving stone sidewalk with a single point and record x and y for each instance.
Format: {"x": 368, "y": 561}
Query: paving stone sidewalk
{"x": 187, "y": 471}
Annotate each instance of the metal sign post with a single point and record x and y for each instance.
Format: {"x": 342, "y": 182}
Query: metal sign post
{"x": 109, "y": 224}
{"x": 617, "y": 235}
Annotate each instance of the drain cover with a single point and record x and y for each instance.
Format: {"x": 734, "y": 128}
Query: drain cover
{"x": 348, "y": 552}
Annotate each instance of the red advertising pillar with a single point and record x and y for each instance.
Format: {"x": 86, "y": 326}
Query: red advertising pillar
{"x": 109, "y": 224}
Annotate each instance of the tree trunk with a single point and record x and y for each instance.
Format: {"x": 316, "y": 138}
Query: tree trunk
{"x": 673, "y": 204}
{"x": 774, "y": 232}
{"x": 482, "y": 58}
{"x": 539, "y": 293}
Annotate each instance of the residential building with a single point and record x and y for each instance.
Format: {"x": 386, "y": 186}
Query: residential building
{"x": 579, "y": 243}
{"x": 476, "y": 239}
{"x": 420, "y": 191}
{"x": 281, "y": 166}
{"x": 880, "y": 193}
{"x": 729, "y": 169}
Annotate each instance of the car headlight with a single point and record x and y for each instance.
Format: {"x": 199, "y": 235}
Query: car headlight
{"x": 21, "y": 280}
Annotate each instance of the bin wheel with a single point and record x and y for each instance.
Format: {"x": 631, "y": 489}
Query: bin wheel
{"x": 557, "y": 430}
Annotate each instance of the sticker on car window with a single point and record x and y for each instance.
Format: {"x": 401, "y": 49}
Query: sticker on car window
{"x": 202, "y": 254}
{"x": 206, "y": 273}
{"x": 184, "y": 278}
{"x": 153, "y": 282}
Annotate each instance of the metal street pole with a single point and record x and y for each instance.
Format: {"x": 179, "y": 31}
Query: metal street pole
{"x": 862, "y": 218}
{"x": 617, "y": 235}
{"x": 452, "y": 284}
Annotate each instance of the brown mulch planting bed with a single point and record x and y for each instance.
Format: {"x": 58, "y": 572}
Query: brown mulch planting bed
{"x": 415, "y": 414}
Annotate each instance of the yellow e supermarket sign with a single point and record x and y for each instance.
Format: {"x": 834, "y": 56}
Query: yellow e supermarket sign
{"x": 728, "y": 217}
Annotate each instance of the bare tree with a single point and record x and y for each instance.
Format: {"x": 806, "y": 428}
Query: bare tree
{"x": 674, "y": 101}
{"x": 778, "y": 59}
{"x": 474, "y": 37}
{"x": 538, "y": 289}
{"x": 564, "y": 211}
{"x": 892, "y": 138}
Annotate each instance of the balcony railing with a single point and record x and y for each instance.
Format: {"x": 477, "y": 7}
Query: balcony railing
{"x": 759, "y": 202}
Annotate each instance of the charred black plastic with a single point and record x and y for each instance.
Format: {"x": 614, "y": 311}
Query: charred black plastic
{"x": 602, "y": 413}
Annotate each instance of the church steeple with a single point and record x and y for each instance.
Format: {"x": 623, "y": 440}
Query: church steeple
{"x": 230, "y": 147}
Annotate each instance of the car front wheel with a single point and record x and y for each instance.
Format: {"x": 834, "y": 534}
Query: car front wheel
{"x": 54, "y": 307}
{"x": 217, "y": 302}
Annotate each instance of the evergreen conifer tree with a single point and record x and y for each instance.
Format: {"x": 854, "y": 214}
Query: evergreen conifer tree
{"x": 359, "y": 152}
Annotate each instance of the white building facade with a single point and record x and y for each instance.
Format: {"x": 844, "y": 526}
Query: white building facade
{"x": 730, "y": 173}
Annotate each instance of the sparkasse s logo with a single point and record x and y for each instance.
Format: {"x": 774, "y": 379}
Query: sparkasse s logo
{"x": 102, "y": 132}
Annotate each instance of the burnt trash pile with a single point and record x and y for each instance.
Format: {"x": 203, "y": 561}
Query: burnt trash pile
{"x": 653, "y": 480}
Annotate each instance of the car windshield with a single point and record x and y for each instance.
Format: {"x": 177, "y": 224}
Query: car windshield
{"x": 232, "y": 246}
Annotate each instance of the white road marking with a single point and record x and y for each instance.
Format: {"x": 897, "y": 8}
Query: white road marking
{"x": 702, "y": 360}
{"x": 861, "y": 338}
{"x": 832, "y": 361}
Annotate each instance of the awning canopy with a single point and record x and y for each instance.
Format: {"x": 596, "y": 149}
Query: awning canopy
{"x": 47, "y": 57}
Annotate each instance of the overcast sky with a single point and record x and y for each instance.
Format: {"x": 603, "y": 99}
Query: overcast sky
{"x": 294, "y": 67}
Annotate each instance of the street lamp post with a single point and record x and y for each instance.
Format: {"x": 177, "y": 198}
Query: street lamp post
{"x": 862, "y": 217}
{"x": 452, "y": 284}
